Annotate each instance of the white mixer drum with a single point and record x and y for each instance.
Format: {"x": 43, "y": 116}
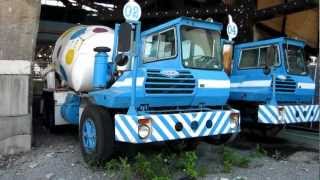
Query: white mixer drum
{"x": 73, "y": 54}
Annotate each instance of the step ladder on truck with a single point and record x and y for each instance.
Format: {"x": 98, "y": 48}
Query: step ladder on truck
{"x": 270, "y": 85}
{"x": 165, "y": 84}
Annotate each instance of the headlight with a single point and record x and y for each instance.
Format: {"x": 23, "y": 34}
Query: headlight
{"x": 143, "y": 131}
{"x": 234, "y": 120}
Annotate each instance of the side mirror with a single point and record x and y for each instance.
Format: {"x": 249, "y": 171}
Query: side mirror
{"x": 266, "y": 70}
{"x": 227, "y": 51}
{"x": 124, "y": 37}
{"x": 121, "y": 59}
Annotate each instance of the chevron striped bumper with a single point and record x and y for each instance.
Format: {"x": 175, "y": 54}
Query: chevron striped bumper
{"x": 270, "y": 114}
{"x": 163, "y": 127}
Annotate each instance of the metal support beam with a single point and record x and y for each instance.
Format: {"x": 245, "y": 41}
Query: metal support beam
{"x": 275, "y": 33}
{"x": 194, "y": 12}
{"x": 71, "y": 15}
{"x": 283, "y": 9}
{"x": 190, "y": 12}
{"x": 146, "y": 3}
{"x": 284, "y": 21}
{"x": 272, "y": 32}
{"x": 67, "y": 3}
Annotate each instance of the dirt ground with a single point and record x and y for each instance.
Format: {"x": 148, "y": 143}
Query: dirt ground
{"x": 57, "y": 157}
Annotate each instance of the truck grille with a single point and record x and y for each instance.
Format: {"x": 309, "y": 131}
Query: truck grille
{"x": 158, "y": 83}
{"x": 286, "y": 85}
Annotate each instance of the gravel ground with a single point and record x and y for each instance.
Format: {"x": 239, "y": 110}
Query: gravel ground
{"x": 57, "y": 157}
{"x": 300, "y": 166}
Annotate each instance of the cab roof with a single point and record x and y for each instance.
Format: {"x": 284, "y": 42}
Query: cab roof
{"x": 185, "y": 21}
{"x": 282, "y": 40}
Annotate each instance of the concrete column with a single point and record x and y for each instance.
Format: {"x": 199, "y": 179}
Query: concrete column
{"x": 18, "y": 32}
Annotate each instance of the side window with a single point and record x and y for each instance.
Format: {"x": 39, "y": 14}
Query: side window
{"x": 268, "y": 52}
{"x": 167, "y": 44}
{"x": 249, "y": 58}
{"x": 159, "y": 46}
{"x": 263, "y": 56}
{"x": 257, "y": 58}
{"x": 150, "y": 48}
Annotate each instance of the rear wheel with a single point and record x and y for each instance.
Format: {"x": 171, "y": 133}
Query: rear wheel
{"x": 96, "y": 133}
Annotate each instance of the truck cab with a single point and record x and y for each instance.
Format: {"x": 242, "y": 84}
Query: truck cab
{"x": 270, "y": 82}
{"x": 179, "y": 64}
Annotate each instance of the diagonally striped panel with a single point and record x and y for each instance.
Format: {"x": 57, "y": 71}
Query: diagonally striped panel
{"x": 269, "y": 114}
{"x": 163, "y": 126}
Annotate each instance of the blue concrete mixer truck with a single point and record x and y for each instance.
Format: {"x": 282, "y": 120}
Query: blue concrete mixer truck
{"x": 122, "y": 86}
{"x": 270, "y": 85}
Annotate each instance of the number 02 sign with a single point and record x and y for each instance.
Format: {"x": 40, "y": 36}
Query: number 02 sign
{"x": 132, "y": 11}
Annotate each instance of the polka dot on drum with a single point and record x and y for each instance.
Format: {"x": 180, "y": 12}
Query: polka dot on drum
{"x": 99, "y": 30}
{"x": 64, "y": 74}
{"x": 69, "y": 56}
{"x": 78, "y": 33}
{"x": 67, "y": 32}
{"x": 58, "y": 53}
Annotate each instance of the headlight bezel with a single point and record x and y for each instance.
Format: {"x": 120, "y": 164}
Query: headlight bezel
{"x": 144, "y": 128}
{"x": 234, "y": 120}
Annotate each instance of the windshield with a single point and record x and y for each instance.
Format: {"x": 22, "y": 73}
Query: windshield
{"x": 295, "y": 60}
{"x": 201, "y": 48}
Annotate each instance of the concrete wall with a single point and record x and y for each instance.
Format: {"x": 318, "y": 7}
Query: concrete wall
{"x": 18, "y": 31}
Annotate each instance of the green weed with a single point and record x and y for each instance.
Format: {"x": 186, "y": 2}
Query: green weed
{"x": 112, "y": 165}
{"x": 125, "y": 168}
{"x": 232, "y": 158}
{"x": 189, "y": 164}
{"x": 227, "y": 166}
{"x": 157, "y": 166}
{"x": 143, "y": 167}
{"x": 202, "y": 171}
{"x": 259, "y": 152}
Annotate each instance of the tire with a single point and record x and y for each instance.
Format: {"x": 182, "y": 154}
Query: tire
{"x": 221, "y": 139}
{"x": 96, "y": 133}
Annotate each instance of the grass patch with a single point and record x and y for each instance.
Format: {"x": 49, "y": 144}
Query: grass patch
{"x": 232, "y": 158}
{"x": 259, "y": 152}
{"x": 188, "y": 164}
{"x": 156, "y": 166}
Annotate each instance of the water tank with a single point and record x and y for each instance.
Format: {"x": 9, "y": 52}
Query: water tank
{"x": 73, "y": 54}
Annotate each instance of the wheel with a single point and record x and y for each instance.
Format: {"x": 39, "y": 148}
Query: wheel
{"x": 96, "y": 131}
{"x": 221, "y": 139}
